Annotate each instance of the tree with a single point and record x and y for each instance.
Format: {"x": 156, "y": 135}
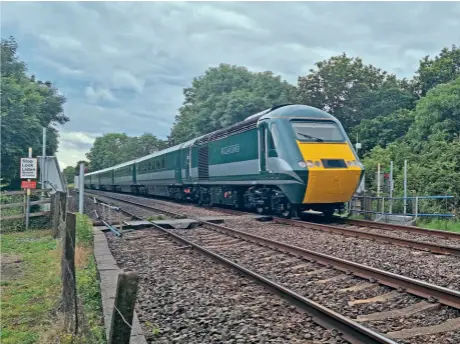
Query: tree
{"x": 352, "y": 91}
{"x": 114, "y": 148}
{"x": 431, "y": 145}
{"x": 107, "y": 150}
{"x": 225, "y": 95}
{"x": 438, "y": 113}
{"x": 27, "y": 105}
{"x": 442, "y": 69}
{"x": 69, "y": 173}
{"x": 383, "y": 130}
{"x": 77, "y": 167}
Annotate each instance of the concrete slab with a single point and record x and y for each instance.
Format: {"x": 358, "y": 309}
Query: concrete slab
{"x": 108, "y": 273}
{"x": 213, "y": 219}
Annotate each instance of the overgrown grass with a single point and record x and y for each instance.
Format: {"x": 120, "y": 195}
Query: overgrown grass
{"x": 30, "y": 285}
{"x": 447, "y": 225}
{"x": 87, "y": 283}
{"x": 31, "y": 288}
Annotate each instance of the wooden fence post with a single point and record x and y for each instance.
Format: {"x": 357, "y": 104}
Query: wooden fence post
{"x": 62, "y": 211}
{"x": 69, "y": 287}
{"x": 54, "y": 213}
{"x": 123, "y": 312}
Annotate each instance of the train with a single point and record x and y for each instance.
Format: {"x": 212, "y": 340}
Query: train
{"x": 282, "y": 161}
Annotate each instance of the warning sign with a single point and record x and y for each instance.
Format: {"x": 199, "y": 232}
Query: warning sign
{"x": 28, "y": 168}
{"x": 26, "y": 184}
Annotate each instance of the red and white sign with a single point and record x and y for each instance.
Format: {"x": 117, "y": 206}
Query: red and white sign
{"x": 28, "y": 168}
{"x": 28, "y": 184}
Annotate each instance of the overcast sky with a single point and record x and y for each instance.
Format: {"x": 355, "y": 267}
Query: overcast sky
{"x": 123, "y": 66}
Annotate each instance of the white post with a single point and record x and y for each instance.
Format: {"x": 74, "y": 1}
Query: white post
{"x": 391, "y": 188}
{"x": 28, "y": 197}
{"x": 81, "y": 189}
{"x": 378, "y": 180}
{"x": 405, "y": 186}
{"x": 43, "y": 174}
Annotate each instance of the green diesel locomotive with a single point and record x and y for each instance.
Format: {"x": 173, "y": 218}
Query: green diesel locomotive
{"x": 283, "y": 160}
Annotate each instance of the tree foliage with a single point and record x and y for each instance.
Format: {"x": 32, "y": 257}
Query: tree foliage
{"x": 69, "y": 173}
{"x": 431, "y": 145}
{"x": 352, "y": 91}
{"x": 442, "y": 69}
{"x": 114, "y": 148}
{"x": 225, "y": 95}
{"x": 27, "y": 105}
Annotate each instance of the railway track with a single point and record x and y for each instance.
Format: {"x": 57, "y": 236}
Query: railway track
{"x": 362, "y": 229}
{"x": 294, "y": 265}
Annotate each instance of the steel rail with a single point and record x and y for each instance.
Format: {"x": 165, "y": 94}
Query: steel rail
{"x": 348, "y": 329}
{"x": 413, "y": 229}
{"x": 422, "y": 289}
{"x": 440, "y": 249}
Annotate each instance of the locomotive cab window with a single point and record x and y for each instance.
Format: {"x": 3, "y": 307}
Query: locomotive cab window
{"x": 307, "y": 131}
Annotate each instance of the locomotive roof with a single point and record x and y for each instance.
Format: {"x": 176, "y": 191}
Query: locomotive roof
{"x": 296, "y": 110}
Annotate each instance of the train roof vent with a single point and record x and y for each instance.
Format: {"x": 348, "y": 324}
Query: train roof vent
{"x": 278, "y": 106}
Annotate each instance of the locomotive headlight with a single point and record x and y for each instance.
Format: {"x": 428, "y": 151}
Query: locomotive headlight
{"x": 310, "y": 163}
{"x": 318, "y": 163}
{"x": 302, "y": 164}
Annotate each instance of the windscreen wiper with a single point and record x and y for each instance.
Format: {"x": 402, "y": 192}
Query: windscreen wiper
{"x": 317, "y": 139}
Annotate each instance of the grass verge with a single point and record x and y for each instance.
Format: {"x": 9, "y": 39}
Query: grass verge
{"x": 446, "y": 225}
{"x": 31, "y": 288}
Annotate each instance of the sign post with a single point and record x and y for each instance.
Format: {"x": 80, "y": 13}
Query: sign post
{"x": 28, "y": 171}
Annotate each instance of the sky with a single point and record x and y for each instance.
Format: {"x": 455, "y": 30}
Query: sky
{"x": 123, "y": 65}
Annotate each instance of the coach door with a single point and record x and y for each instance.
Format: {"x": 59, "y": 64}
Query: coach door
{"x": 188, "y": 161}
{"x": 262, "y": 131}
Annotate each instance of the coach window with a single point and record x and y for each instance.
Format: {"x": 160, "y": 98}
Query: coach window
{"x": 273, "y": 141}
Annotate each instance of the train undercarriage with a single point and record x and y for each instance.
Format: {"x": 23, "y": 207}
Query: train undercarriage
{"x": 264, "y": 200}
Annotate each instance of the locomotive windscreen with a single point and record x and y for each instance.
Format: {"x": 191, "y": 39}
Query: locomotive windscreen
{"x": 308, "y": 131}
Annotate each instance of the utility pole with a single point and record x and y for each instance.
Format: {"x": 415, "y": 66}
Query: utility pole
{"x": 378, "y": 180}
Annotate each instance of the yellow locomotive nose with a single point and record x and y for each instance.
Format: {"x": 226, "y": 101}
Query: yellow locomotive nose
{"x": 333, "y": 172}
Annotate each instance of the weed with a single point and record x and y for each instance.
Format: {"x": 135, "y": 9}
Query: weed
{"x": 156, "y": 218}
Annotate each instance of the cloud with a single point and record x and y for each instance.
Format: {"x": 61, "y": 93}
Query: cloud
{"x": 73, "y": 146}
{"x": 123, "y": 79}
{"x": 98, "y": 94}
{"x": 127, "y": 75}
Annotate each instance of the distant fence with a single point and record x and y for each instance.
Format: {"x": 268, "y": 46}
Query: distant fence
{"x": 13, "y": 206}
{"x": 376, "y": 208}
{"x": 16, "y": 202}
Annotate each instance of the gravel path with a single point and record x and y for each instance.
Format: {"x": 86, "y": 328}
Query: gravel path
{"x": 187, "y": 298}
